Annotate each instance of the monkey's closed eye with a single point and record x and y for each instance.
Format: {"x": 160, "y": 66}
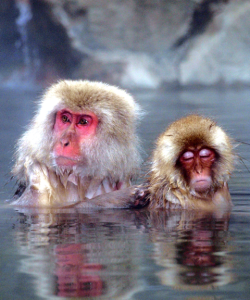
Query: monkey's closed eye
{"x": 188, "y": 155}
{"x": 205, "y": 153}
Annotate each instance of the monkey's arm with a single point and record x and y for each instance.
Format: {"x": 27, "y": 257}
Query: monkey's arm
{"x": 25, "y": 197}
{"x": 131, "y": 197}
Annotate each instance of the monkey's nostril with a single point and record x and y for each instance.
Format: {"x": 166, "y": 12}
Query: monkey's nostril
{"x": 66, "y": 144}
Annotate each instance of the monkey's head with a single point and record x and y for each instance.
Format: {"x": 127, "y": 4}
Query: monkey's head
{"x": 193, "y": 154}
{"x": 85, "y": 126}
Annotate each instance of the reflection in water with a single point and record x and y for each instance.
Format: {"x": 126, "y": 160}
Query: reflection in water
{"x": 76, "y": 276}
{"x": 196, "y": 256}
{"x": 79, "y": 255}
{"x": 137, "y": 237}
{"x": 99, "y": 253}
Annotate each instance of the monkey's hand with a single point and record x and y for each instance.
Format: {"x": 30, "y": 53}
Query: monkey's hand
{"x": 139, "y": 198}
{"x": 131, "y": 197}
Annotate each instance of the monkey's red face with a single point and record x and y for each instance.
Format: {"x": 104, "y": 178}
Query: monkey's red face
{"x": 71, "y": 130}
{"x": 197, "y": 165}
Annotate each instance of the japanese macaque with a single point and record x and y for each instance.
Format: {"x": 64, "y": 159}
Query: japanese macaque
{"x": 81, "y": 144}
{"x": 191, "y": 166}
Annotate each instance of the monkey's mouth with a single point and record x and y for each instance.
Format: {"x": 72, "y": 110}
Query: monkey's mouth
{"x": 201, "y": 185}
{"x": 63, "y": 161}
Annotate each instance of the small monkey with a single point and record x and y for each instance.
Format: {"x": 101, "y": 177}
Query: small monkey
{"x": 80, "y": 145}
{"x": 191, "y": 166}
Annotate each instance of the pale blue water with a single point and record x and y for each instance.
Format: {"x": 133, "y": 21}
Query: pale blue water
{"x": 123, "y": 254}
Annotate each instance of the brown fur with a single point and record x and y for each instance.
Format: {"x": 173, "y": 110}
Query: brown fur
{"x": 167, "y": 185}
{"x": 112, "y": 155}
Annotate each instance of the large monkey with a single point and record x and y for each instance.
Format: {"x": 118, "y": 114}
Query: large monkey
{"x": 191, "y": 165}
{"x": 80, "y": 144}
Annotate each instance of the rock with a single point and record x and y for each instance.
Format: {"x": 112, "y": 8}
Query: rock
{"x": 221, "y": 54}
{"x": 131, "y": 43}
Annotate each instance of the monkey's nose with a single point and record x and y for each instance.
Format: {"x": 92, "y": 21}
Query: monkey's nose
{"x": 65, "y": 142}
{"x": 198, "y": 168}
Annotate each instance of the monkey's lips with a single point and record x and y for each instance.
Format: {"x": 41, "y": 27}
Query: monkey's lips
{"x": 63, "y": 161}
{"x": 201, "y": 185}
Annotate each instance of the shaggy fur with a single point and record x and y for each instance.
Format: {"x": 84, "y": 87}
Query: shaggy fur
{"x": 112, "y": 154}
{"x": 167, "y": 185}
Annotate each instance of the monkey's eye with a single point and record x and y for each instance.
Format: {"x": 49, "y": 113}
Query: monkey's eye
{"x": 188, "y": 155}
{"x": 83, "y": 121}
{"x": 65, "y": 119}
{"x": 205, "y": 153}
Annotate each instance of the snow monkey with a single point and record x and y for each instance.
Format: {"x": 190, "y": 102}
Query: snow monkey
{"x": 191, "y": 166}
{"x": 80, "y": 146}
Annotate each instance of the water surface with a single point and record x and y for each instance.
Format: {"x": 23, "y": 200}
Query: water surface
{"x": 123, "y": 254}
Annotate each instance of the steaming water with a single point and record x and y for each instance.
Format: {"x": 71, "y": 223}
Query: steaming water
{"x": 122, "y": 254}
{"x": 25, "y": 15}
{"x": 29, "y": 49}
